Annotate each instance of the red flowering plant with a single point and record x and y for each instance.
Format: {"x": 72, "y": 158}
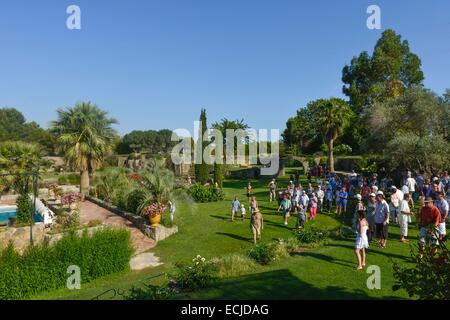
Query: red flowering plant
{"x": 70, "y": 198}
{"x": 154, "y": 209}
{"x": 135, "y": 177}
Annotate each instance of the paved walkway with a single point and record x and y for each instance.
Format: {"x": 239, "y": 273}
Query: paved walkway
{"x": 90, "y": 211}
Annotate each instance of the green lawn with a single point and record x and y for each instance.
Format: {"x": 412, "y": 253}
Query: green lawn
{"x": 326, "y": 272}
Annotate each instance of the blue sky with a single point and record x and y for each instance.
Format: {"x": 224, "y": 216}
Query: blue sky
{"x": 154, "y": 64}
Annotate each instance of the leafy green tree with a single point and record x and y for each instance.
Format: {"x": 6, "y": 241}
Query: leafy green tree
{"x": 390, "y": 70}
{"x": 85, "y": 137}
{"x": 299, "y": 132}
{"x": 146, "y": 141}
{"x": 417, "y": 110}
{"x": 330, "y": 117}
{"x": 13, "y": 127}
{"x": 409, "y": 150}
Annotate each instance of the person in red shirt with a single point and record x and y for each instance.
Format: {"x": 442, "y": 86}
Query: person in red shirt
{"x": 428, "y": 222}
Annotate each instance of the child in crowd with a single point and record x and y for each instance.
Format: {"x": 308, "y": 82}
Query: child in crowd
{"x": 243, "y": 212}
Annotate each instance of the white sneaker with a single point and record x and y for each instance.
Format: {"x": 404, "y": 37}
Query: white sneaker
{"x": 285, "y": 223}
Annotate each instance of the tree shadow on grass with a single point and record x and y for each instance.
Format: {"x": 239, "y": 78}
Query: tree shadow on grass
{"x": 274, "y": 285}
{"x": 372, "y": 251}
{"x": 234, "y": 236}
{"x": 328, "y": 259}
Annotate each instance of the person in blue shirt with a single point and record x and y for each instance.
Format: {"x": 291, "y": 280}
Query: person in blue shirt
{"x": 235, "y": 207}
{"x": 343, "y": 199}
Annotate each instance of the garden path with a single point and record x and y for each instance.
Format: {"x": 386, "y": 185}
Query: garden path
{"x": 90, "y": 212}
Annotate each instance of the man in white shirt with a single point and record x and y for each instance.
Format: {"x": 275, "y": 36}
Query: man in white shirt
{"x": 405, "y": 212}
{"x": 443, "y": 207}
{"x": 411, "y": 184}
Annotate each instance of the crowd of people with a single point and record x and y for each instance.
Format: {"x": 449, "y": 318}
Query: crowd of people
{"x": 378, "y": 203}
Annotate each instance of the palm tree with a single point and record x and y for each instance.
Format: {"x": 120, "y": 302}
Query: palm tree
{"x": 159, "y": 184}
{"x": 223, "y": 126}
{"x": 85, "y": 137}
{"x": 330, "y": 117}
{"x": 17, "y": 157}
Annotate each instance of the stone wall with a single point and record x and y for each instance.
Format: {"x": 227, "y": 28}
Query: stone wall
{"x": 156, "y": 233}
{"x": 21, "y": 236}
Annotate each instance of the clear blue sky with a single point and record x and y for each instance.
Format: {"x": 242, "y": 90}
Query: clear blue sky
{"x": 154, "y": 64}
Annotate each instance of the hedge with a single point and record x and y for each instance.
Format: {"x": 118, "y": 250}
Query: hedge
{"x": 43, "y": 267}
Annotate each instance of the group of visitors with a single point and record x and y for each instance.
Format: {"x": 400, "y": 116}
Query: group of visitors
{"x": 378, "y": 203}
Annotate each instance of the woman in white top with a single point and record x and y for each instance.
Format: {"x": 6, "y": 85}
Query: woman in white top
{"x": 362, "y": 242}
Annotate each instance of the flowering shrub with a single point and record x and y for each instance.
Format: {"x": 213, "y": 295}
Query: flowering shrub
{"x": 70, "y": 198}
{"x": 200, "y": 274}
{"x": 154, "y": 209}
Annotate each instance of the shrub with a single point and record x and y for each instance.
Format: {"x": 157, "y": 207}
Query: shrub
{"x": 233, "y": 265}
{"x": 134, "y": 200}
{"x": 200, "y": 274}
{"x": 264, "y": 253}
{"x": 343, "y": 149}
{"x": 72, "y": 179}
{"x": 311, "y": 236}
{"x": 150, "y": 292}
{"x": 291, "y": 245}
{"x": 43, "y": 267}
{"x": 24, "y": 209}
{"x": 201, "y": 193}
{"x": 429, "y": 279}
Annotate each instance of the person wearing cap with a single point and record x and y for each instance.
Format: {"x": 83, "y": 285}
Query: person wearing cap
{"x": 396, "y": 198}
{"x": 256, "y": 224}
{"x": 443, "y": 208}
{"x": 382, "y": 219}
{"x": 371, "y": 206}
{"x": 403, "y": 218}
{"x": 428, "y": 222}
{"x": 301, "y": 215}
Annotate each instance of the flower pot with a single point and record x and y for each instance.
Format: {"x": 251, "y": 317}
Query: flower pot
{"x": 154, "y": 221}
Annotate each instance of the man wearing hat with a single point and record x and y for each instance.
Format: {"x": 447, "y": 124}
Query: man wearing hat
{"x": 428, "y": 222}
{"x": 396, "y": 199}
{"x": 382, "y": 219}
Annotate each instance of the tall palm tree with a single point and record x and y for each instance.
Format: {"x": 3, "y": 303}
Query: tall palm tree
{"x": 330, "y": 117}
{"x": 85, "y": 137}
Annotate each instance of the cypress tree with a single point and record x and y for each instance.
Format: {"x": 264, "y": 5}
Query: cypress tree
{"x": 202, "y": 170}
